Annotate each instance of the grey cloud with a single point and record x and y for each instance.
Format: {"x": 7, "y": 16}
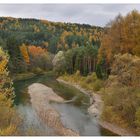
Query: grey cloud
{"x": 94, "y": 14}
{"x": 114, "y": 8}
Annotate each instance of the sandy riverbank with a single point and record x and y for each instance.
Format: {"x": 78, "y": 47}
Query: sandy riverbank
{"x": 41, "y": 96}
{"x": 95, "y": 110}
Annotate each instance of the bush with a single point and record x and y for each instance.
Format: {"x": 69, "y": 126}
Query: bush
{"x": 97, "y": 85}
{"x": 77, "y": 74}
{"x": 37, "y": 70}
{"x": 111, "y": 116}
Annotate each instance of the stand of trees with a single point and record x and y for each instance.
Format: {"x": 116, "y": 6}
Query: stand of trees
{"x": 9, "y": 119}
{"x": 52, "y": 36}
{"x": 36, "y": 59}
{"x": 122, "y": 35}
{"x": 120, "y": 52}
{"x": 83, "y": 59}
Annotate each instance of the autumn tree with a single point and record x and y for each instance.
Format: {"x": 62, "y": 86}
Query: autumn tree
{"x": 59, "y": 62}
{"x": 126, "y": 67}
{"x": 16, "y": 63}
{"x": 120, "y": 36}
{"x": 25, "y": 54}
{"x": 5, "y": 81}
{"x": 9, "y": 118}
{"x": 40, "y": 58}
{"x": 36, "y": 51}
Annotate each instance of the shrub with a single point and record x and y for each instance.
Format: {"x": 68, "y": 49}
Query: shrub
{"x": 91, "y": 78}
{"x": 97, "y": 85}
{"x": 37, "y": 70}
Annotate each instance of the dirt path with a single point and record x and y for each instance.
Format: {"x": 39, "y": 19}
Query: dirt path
{"x": 41, "y": 96}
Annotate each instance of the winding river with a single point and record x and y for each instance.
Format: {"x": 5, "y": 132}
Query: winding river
{"x": 73, "y": 115}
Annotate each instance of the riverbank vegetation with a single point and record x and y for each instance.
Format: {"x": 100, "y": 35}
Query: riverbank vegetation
{"x": 122, "y": 97}
{"x": 90, "y": 82}
{"x": 121, "y": 51}
{"x": 9, "y": 118}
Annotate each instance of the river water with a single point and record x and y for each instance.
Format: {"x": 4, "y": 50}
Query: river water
{"x": 73, "y": 115}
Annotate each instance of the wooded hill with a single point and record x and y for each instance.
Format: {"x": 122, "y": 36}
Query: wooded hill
{"x": 54, "y": 36}
{"x": 51, "y": 36}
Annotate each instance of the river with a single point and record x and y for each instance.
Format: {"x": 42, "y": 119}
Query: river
{"x": 73, "y": 115}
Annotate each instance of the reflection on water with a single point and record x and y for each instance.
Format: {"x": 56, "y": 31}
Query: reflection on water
{"x": 74, "y": 118}
{"x": 31, "y": 122}
{"x": 65, "y": 91}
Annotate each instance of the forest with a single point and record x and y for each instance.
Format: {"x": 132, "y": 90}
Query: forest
{"x": 102, "y": 60}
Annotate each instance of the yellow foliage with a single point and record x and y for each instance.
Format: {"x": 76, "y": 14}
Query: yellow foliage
{"x": 24, "y": 51}
{"x": 3, "y": 64}
{"x": 8, "y": 117}
{"x": 9, "y": 131}
{"x": 3, "y": 61}
{"x": 121, "y": 36}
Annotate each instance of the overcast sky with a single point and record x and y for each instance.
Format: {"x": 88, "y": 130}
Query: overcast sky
{"x": 94, "y": 14}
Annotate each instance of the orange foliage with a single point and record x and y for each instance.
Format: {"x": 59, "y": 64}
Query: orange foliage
{"x": 34, "y": 50}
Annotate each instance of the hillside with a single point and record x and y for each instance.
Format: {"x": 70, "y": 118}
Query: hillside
{"x": 54, "y": 36}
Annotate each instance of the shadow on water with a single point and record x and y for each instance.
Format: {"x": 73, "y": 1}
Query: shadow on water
{"x": 65, "y": 91}
{"x": 32, "y": 125}
{"x": 73, "y": 115}
{"x": 74, "y": 118}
